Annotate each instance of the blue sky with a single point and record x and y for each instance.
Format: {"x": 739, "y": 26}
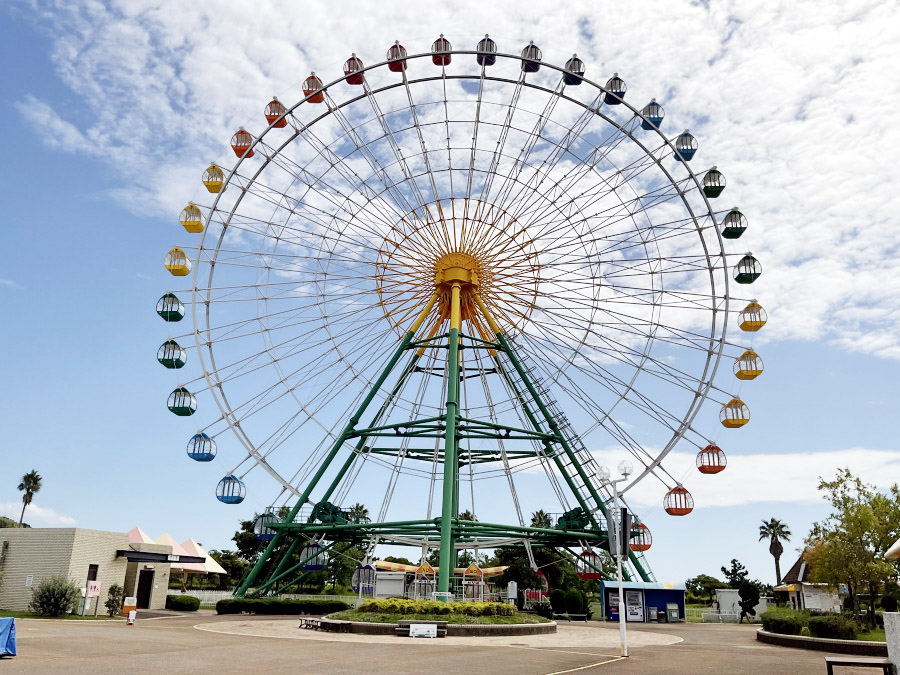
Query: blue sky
{"x": 111, "y": 112}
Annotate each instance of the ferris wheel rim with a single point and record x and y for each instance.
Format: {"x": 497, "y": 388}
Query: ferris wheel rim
{"x": 725, "y": 296}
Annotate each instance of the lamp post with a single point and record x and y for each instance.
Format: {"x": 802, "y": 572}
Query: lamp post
{"x": 625, "y": 468}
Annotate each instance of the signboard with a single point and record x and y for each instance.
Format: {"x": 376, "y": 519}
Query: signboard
{"x": 423, "y": 630}
{"x": 93, "y": 589}
{"x": 425, "y": 569}
{"x": 129, "y": 605}
{"x": 172, "y": 558}
{"x": 473, "y": 570}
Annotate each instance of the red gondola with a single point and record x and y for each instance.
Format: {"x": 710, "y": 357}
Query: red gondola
{"x": 353, "y": 70}
{"x": 274, "y": 113}
{"x": 678, "y": 502}
{"x": 241, "y": 143}
{"x": 312, "y": 89}
{"x": 641, "y": 540}
{"x": 396, "y": 57}
{"x": 711, "y": 459}
{"x": 440, "y": 51}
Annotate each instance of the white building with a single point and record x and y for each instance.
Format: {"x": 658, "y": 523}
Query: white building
{"x": 803, "y": 594}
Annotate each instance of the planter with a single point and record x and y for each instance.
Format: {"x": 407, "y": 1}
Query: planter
{"x": 858, "y": 647}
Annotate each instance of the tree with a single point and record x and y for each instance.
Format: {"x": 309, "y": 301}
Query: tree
{"x": 234, "y": 565}
{"x": 395, "y": 559}
{"x": 736, "y": 575}
{"x": 748, "y": 592}
{"x": 848, "y": 547}
{"x": 30, "y": 485}
{"x": 775, "y": 531}
{"x": 358, "y": 513}
{"x": 54, "y": 596}
{"x": 704, "y": 585}
{"x": 468, "y": 515}
{"x": 115, "y": 598}
{"x": 541, "y": 518}
{"x": 343, "y": 558}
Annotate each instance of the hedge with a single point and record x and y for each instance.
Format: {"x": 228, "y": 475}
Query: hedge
{"x": 834, "y": 626}
{"x": 275, "y": 606}
{"x": 784, "y": 621}
{"x": 404, "y": 606}
{"x": 182, "y": 603}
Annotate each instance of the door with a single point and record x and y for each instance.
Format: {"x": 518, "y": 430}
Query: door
{"x": 144, "y": 589}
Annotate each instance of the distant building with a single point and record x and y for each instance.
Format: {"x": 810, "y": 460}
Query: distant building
{"x": 803, "y": 594}
{"x": 130, "y": 559}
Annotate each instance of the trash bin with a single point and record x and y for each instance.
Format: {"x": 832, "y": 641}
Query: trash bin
{"x": 672, "y": 615}
{"x": 652, "y": 614}
{"x": 7, "y": 636}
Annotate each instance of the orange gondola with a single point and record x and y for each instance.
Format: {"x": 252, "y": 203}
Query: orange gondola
{"x": 241, "y": 142}
{"x": 353, "y": 70}
{"x": 678, "y": 502}
{"x": 312, "y": 89}
{"x": 275, "y": 114}
{"x": 711, "y": 459}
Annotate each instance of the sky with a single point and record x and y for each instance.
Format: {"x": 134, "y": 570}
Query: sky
{"x": 111, "y": 110}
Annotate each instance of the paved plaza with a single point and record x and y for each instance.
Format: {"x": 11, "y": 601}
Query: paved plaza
{"x": 206, "y": 643}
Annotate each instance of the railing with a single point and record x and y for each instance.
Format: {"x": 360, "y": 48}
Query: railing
{"x": 208, "y": 598}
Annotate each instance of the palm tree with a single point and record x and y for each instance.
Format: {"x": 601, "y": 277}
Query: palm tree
{"x": 775, "y": 531}
{"x": 540, "y": 518}
{"x": 31, "y": 483}
{"x": 359, "y": 513}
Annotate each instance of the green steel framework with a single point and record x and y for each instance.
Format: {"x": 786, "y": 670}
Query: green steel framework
{"x": 582, "y": 528}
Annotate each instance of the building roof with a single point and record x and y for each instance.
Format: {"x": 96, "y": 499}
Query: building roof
{"x": 799, "y": 572}
{"x": 138, "y": 536}
{"x": 210, "y": 565}
{"x": 178, "y": 549}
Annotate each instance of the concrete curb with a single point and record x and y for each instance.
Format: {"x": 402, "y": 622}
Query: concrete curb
{"x": 857, "y": 647}
{"x": 453, "y": 629}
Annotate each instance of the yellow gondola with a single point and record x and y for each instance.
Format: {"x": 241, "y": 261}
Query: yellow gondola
{"x": 191, "y": 218}
{"x": 748, "y": 366}
{"x": 753, "y": 317}
{"x": 177, "y": 263}
{"x": 213, "y": 178}
{"x": 734, "y": 414}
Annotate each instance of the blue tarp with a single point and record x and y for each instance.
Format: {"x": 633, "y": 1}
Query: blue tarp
{"x": 7, "y": 636}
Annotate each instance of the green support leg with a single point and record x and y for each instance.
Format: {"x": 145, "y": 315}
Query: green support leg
{"x": 448, "y": 515}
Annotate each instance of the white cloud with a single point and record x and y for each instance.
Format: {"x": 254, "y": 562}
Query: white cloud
{"x": 793, "y": 102}
{"x": 9, "y": 283}
{"x": 36, "y": 515}
{"x": 784, "y": 478}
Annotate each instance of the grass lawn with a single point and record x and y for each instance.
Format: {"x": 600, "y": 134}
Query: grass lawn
{"x": 875, "y": 635}
{"x": 5, "y": 613}
{"x": 380, "y": 617}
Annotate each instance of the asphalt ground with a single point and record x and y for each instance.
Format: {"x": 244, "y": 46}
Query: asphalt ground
{"x": 205, "y": 643}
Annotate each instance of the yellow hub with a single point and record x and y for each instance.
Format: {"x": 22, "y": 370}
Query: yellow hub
{"x": 472, "y": 246}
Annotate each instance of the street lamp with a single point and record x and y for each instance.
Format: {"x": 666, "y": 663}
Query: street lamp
{"x": 625, "y": 468}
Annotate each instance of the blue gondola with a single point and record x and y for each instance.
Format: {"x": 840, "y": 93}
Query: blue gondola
{"x": 262, "y": 526}
{"x": 170, "y": 308}
{"x": 201, "y": 448}
{"x": 531, "y": 58}
{"x": 574, "y": 71}
{"x": 487, "y": 52}
{"x": 653, "y": 114}
{"x": 231, "y": 490}
{"x": 615, "y": 90}
{"x": 315, "y": 557}
{"x": 685, "y": 146}
{"x": 363, "y": 580}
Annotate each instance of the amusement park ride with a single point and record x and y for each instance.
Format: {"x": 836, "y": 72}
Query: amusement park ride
{"x": 404, "y": 270}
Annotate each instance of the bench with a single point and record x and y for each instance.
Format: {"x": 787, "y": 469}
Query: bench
{"x": 310, "y": 624}
{"x": 569, "y": 617}
{"x": 859, "y": 662}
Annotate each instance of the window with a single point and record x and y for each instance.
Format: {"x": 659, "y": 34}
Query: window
{"x": 92, "y": 572}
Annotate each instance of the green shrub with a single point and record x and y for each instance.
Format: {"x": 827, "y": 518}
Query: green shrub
{"x": 54, "y": 596}
{"x": 419, "y": 607}
{"x": 785, "y": 621}
{"x": 275, "y": 606}
{"x": 115, "y": 597}
{"x": 889, "y": 603}
{"x": 558, "y": 600}
{"x": 574, "y": 602}
{"x": 834, "y": 626}
{"x": 182, "y": 603}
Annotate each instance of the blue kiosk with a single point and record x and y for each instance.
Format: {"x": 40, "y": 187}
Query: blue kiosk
{"x": 644, "y": 601}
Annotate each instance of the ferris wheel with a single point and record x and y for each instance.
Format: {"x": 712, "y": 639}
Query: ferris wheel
{"x": 447, "y": 271}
